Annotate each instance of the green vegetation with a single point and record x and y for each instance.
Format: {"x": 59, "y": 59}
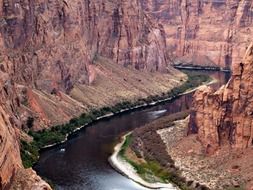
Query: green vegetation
{"x": 152, "y": 171}
{"x": 57, "y": 134}
{"x": 29, "y": 153}
{"x": 194, "y": 80}
{"x": 125, "y": 145}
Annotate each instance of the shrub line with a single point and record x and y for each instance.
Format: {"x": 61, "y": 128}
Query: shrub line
{"x": 59, "y": 134}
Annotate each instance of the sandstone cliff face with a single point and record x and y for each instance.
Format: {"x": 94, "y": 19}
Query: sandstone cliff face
{"x": 9, "y": 146}
{"x": 49, "y": 52}
{"x": 51, "y": 44}
{"x": 216, "y": 30}
{"x": 225, "y": 116}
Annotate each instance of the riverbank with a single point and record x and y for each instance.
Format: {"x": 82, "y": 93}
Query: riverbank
{"x": 122, "y": 166}
{"x": 153, "y": 166}
{"x": 224, "y": 170}
{"x": 60, "y": 134}
{"x": 165, "y": 141}
{"x": 185, "y": 67}
{"x": 129, "y": 168}
{"x": 197, "y": 68}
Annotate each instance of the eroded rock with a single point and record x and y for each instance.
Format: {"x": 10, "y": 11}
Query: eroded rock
{"x": 209, "y": 31}
{"x": 48, "y": 49}
{"x": 225, "y": 116}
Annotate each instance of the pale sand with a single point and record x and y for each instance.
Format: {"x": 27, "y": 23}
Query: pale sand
{"x": 126, "y": 169}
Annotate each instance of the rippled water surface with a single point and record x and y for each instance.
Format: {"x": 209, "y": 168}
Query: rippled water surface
{"x": 84, "y": 163}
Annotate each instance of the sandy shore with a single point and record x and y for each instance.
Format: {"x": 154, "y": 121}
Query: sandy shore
{"x": 126, "y": 169}
{"x": 226, "y": 169}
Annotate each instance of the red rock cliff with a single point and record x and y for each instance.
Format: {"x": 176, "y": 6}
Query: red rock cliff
{"x": 48, "y": 47}
{"x": 225, "y": 116}
{"x": 216, "y": 30}
{"x": 9, "y": 146}
{"x": 50, "y": 44}
{"x": 10, "y": 125}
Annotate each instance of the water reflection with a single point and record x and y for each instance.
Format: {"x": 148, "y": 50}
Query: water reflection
{"x": 83, "y": 164}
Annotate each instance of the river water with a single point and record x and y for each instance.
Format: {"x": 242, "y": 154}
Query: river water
{"x": 84, "y": 163}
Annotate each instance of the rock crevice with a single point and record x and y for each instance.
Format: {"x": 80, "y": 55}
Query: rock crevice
{"x": 200, "y": 31}
{"x": 49, "y": 49}
{"x": 225, "y": 116}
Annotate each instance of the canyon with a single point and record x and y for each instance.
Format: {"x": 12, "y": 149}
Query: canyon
{"x": 224, "y": 117}
{"x": 211, "y": 147}
{"x": 68, "y": 57}
{"x": 204, "y": 33}
{"x": 62, "y": 58}
{"x": 216, "y": 139}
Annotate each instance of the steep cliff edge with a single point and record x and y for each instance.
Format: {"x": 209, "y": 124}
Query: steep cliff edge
{"x": 9, "y": 146}
{"x": 52, "y": 61}
{"x": 199, "y": 31}
{"x": 211, "y": 149}
{"x": 10, "y": 125}
{"x": 214, "y": 146}
{"x": 225, "y": 116}
{"x": 53, "y": 46}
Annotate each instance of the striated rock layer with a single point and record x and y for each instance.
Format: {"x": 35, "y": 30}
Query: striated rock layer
{"x": 225, "y": 116}
{"x": 52, "y": 44}
{"x": 50, "y": 62}
{"x": 9, "y": 146}
{"x": 204, "y": 31}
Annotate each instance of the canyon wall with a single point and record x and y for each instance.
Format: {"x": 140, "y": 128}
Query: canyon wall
{"x": 52, "y": 44}
{"x": 205, "y": 31}
{"x": 47, "y": 48}
{"x": 10, "y": 125}
{"x": 9, "y": 146}
{"x": 225, "y": 117}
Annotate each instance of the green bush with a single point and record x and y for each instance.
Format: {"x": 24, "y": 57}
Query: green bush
{"x": 125, "y": 145}
{"x": 29, "y": 153}
{"x": 57, "y": 134}
{"x": 152, "y": 168}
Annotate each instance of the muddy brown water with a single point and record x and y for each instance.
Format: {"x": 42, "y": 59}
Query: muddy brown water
{"x": 82, "y": 162}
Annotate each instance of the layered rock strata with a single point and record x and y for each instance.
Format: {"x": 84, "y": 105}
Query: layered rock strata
{"x": 201, "y": 31}
{"x": 50, "y": 62}
{"x": 225, "y": 117}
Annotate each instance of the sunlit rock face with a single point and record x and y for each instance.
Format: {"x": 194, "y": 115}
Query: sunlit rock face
{"x": 225, "y": 116}
{"x": 9, "y": 143}
{"x": 51, "y": 44}
{"x": 219, "y": 30}
{"x": 48, "y": 47}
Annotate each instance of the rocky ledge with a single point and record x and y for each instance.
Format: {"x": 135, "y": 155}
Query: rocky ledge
{"x": 224, "y": 117}
{"x": 213, "y": 148}
{"x": 213, "y": 31}
{"x": 166, "y": 141}
{"x": 223, "y": 120}
{"x": 223, "y": 170}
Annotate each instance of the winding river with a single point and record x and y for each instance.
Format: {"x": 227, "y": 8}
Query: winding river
{"x": 83, "y": 165}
